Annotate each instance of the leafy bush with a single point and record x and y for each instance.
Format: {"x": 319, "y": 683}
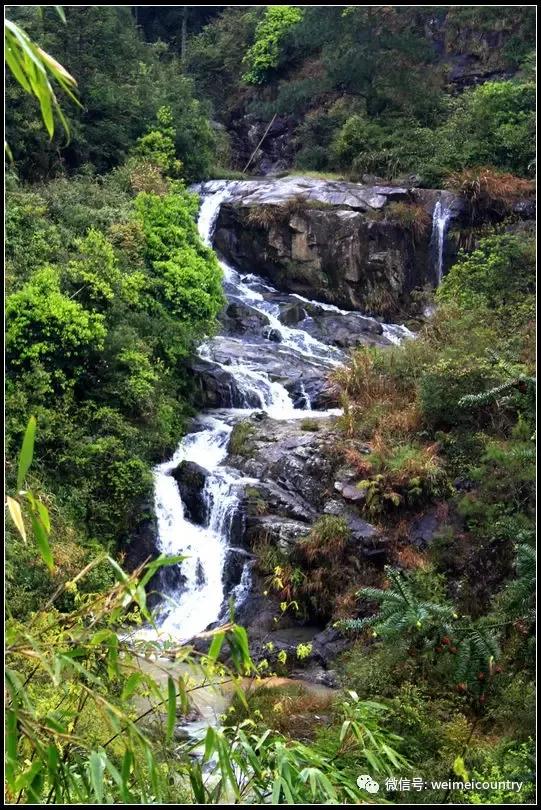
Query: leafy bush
{"x": 158, "y": 145}
{"x": 400, "y": 476}
{"x": 492, "y": 124}
{"x": 264, "y": 55}
{"x": 499, "y": 273}
{"x": 444, "y": 385}
{"x": 47, "y": 327}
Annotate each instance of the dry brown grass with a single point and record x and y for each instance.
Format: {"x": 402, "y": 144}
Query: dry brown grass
{"x": 412, "y": 559}
{"x": 265, "y": 216}
{"x": 410, "y": 216}
{"x": 489, "y": 191}
{"x": 291, "y": 709}
{"x": 346, "y": 604}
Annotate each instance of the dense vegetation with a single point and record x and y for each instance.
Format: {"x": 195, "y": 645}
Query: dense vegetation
{"x": 370, "y": 90}
{"x": 110, "y": 289}
{"x": 445, "y": 635}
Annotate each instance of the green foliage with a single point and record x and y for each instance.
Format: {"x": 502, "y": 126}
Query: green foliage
{"x": 107, "y": 298}
{"x": 491, "y": 124}
{"x": 187, "y": 278}
{"x": 499, "y": 273}
{"x": 507, "y": 762}
{"x": 444, "y": 386}
{"x": 518, "y": 598}
{"x": 158, "y": 145}
{"x": 264, "y": 55}
{"x": 310, "y": 425}
{"x": 402, "y": 612}
{"x": 432, "y": 628}
{"x": 47, "y": 327}
{"x": 76, "y": 731}
{"x": 403, "y": 475}
{"x": 122, "y": 83}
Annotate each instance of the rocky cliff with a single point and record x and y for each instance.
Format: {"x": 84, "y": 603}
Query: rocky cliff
{"x": 355, "y": 246}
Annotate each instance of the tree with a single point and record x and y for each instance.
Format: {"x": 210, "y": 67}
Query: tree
{"x": 122, "y": 82}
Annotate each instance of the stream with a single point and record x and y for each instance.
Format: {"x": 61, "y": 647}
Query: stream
{"x": 250, "y": 361}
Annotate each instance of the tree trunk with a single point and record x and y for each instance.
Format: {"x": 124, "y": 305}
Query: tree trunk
{"x": 184, "y": 34}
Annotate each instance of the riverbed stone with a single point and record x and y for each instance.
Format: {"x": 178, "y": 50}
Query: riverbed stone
{"x": 191, "y": 478}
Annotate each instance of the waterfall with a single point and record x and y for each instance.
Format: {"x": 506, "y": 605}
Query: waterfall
{"x": 440, "y": 223}
{"x": 196, "y": 599}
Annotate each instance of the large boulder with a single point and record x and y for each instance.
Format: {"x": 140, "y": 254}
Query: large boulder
{"x": 191, "y": 478}
{"x": 239, "y": 318}
{"x": 345, "y": 330}
{"x": 218, "y": 388}
{"x": 279, "y": 532}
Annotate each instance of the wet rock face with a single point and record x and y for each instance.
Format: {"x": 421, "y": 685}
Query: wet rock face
{"x": 239, "y": 318}
{"x": 328, "y": 241}
{"x": 277, "y": 151}
{"x": 235, "y": 560}
{"x": 191, "y": 478}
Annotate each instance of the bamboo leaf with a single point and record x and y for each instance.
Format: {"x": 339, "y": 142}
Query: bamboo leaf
{"x": 131, "y": 685}
{"x": 42, "y": 542}
{"x": 17, "y": 516}
{"x": 44, "y": 516}
{"x": 11, "y": 746}
{"x": 27, "y": 452}
{"x": 171, "y": 706}
{"x": 127, "y": 764}
{"x": 216, "y": 646}
{"x": 96, "y": 768}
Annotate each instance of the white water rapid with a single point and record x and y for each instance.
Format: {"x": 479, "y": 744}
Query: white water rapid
{"x": 197, "y": 598}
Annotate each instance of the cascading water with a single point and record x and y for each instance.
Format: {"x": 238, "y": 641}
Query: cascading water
{"x": 440, "y": 223}
{"x": 197, "y": 600}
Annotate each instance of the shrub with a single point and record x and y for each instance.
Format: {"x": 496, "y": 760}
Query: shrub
{"x": 311, "y": 425}
{"x": 327, "y": 539}
{"x": 401, "y": 475}
{"x": 499, "y": 273}
{"x": 157, "y": 147}
{"x": 442, "y": 388}
{"x": 46, "y": 326}
{"x": 186, "y": 274}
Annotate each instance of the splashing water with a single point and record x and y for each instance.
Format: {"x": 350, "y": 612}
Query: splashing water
{"x": 197, "y": 600}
